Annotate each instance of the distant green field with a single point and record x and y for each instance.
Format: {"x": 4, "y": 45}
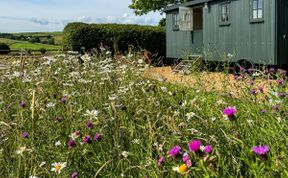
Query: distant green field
{"x": 58, "y": 36}
{"x": 15, "y": 44}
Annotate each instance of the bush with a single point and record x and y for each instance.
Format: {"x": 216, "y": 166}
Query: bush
{"x": 4, "y": 48}
{"x": 43, "y": 51}
{"x": 77, "y": 35}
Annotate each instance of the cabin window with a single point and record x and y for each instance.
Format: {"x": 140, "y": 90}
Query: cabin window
{"x": 257, "y": 7}
{"x": 224, "y": 11}
{"x": 175, "y": 21}
{"x": 186, "y": 19}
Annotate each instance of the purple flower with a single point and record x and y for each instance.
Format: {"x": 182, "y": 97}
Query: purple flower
{"x": 97, "y": 137}
{"x": 74, "y": 175}
{"x": 251, "y": 82}
{"x": 208, "y": 149}
{"x": 71, "y": 143}
{"x": 229, "y": 111}
{"x": 194, "y": 145}
{"x": 276, "y": 108}
{"x": 188, "y": 163}
{"x": 160, "y": 161}
{"x": 87, "y": 139}
{"x": 63, "y": 99}
{"x": 280, "y": 81}
{"x": 260, "y": 150}
{"x": 89, "y": 125}
{"x": 282, "y": 94}
{"x": 185, "y": 157}
{"x": 25, "y": 135}
{"x": 261, "y": 89}
{"x": 174, "y": 151}
{"x": 22, "y": 104}
{"x": 272, "y": 70}
{"x": 263, "y": 111}
{"x": 253, "y": 91}
{"x": 250, "y": 70}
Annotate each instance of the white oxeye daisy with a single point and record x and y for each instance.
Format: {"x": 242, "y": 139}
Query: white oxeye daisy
{"x": 92, "y": 113}
{"x": 21, "y": 150}
{"x": 58, "y": 143}
{"x": 190, "y": 115}
{"x": 57, "y": 167}
{"x": 33, "y": 177}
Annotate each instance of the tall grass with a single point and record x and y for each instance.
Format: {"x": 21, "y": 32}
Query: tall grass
{"x": 139, "y": 120}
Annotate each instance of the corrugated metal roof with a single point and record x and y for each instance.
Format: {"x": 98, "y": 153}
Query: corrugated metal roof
{"x": 186, "y": 4}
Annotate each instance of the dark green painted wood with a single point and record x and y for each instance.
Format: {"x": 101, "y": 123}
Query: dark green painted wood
{"x": 180, "y": 43}
{"x": 254, "y": 41}
{"x": 282, "y": 32}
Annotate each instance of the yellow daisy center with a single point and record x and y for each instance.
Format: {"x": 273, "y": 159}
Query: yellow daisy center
{"x": 183, "y": 168}
{"x": 58, "y": 167}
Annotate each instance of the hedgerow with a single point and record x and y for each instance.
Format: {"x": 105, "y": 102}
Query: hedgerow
{"x": 116, "y": 36}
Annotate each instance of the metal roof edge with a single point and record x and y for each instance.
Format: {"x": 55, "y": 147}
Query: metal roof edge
{"x": 186, "y": 4}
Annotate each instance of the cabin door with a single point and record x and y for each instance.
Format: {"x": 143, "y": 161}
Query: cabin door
{"x": 197, "y": 33}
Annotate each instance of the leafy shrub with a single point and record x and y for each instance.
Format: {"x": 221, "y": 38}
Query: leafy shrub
{"x": 4, "y": 48}
{"x": 43, "y": 51}
{"x": 77, "y": 35}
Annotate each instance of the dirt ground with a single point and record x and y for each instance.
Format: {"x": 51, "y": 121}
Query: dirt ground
{"x": 209, "y": 81}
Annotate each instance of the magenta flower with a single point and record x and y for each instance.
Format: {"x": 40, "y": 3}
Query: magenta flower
{"x": 87, "y": 139}
{"x": 185, "y": 157}
{"x": 71, "y": 143}
{"x": 188, "y": 163}
{"x": 160, "y": 161}
{"x": 22, "y": 104}
{"x": 194, "y": 145}
{"x": 229, "y": 111}
{"x": 260, "y": 150}
{"x": 174, "y": 151}
{"x": 74, "y": 175}
{"x": 89, "y": 125}
{"x": 208, "y": 149}
{"x": 97, "y": 137}
{"x": 25, "y": 135}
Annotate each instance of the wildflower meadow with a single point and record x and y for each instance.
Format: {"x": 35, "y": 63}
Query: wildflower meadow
{"x": 102, "y": 118}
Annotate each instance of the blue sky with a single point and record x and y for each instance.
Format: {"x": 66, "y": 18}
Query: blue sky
{"x": 52, "y": 15}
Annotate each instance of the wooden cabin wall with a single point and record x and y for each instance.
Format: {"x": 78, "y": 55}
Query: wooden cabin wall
{"x": 255, "y": 41}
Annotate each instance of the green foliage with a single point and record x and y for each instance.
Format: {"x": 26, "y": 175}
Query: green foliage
{"x": 141, "y": 7}
{"x": 162, "y": 22}
{"x": 43, "y": 50}
{"x": 140, "y": 120}
{"x": 4, "y": 48}
{"x": 77, "y": 35}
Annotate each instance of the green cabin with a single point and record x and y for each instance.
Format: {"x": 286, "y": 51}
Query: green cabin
{"x": 256, "y": 30}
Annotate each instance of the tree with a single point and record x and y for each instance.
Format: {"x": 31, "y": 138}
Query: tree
{"x": 4, "y": 48}
{"x": 162, "y": 22}
{"x": 142, "y": 7}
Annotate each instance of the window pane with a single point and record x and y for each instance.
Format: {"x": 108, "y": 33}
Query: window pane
{"x": 255, "y": 4}
{"x": 260, "y": 14}
{"x": 260, "y": 4}
{"x": 255, "y": 14}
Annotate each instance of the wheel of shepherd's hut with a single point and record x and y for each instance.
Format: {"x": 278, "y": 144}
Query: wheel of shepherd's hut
{"x": 243, "y": 66}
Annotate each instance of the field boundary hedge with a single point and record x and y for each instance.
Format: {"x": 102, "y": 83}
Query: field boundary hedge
{"x": 116, "y": 36}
